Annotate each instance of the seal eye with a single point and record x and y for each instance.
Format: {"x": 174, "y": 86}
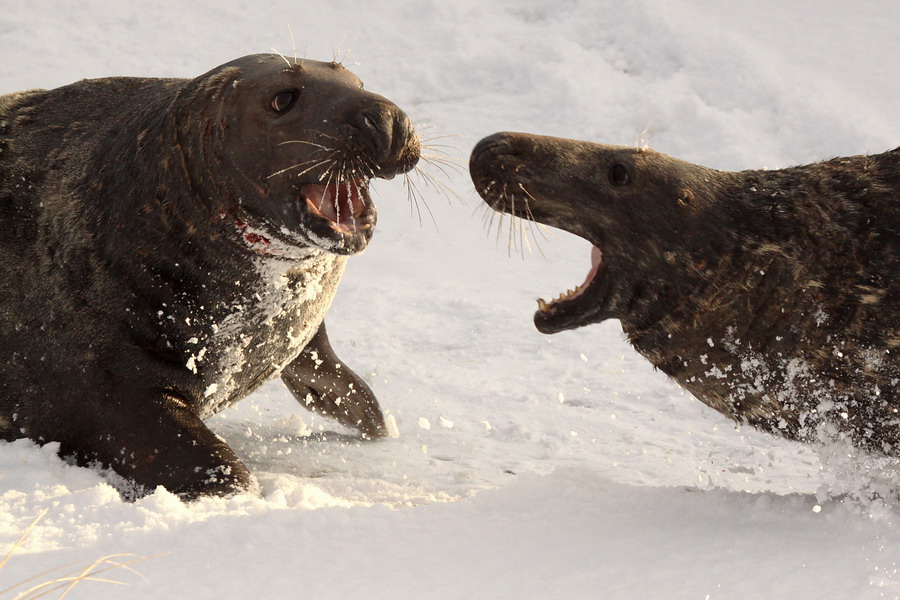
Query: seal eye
{"x": 283, "y": 100}
{"x": 618, "y": 175}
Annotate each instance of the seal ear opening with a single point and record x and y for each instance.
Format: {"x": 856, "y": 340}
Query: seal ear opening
{"x": 686, "y": 198}
{"x": 619, "y": 175}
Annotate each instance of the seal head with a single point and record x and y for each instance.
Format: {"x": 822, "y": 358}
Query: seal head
{"x": 302, "y": 142}
{"x": 635, "y": 206}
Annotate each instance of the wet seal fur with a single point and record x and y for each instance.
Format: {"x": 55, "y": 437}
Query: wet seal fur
{"x": 168, "y": 245}
{"x": 772, "y": 296}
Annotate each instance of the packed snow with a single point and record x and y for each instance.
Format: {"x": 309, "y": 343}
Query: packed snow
{"x": 523, "y": 465}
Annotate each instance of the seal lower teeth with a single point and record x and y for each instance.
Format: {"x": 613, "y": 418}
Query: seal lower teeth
{"x": 596, "y": 261}
{"x": 341, "y": 203}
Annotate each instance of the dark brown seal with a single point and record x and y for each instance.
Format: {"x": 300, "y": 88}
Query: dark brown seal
{"x": 168, "y": 245}
{"x": 772, "y": 296}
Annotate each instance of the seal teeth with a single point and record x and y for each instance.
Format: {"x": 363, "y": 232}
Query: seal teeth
{"x": 320, "y": 199}
{"x": 339, "y": 203}
{"x": 549, "y": 307}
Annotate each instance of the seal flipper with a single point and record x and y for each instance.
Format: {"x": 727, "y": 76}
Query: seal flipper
{"x": 161, "y": 441}
{"x": 324, "y": 384}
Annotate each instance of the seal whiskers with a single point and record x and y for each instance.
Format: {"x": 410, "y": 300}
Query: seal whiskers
{"x": 518, "y": 219}
{"x": 282, "y": 56}
{"x": 533, "y": 224}
{"x": 438, "y": 157}
{"x": 315, "y": 164}
{"x": 413, "y": 195}
{"x": 434, "y": 156}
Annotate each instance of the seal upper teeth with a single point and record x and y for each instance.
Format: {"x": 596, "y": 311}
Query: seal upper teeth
{"x": 596, "y": 261}
{"x": 341, "y": 203}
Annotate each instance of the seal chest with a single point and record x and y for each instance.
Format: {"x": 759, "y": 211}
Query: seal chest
{"x": 267, "y": 329}
{"x": 169, "y": 245}
{"x": 772, "y": 296}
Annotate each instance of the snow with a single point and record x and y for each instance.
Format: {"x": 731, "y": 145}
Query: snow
{"x": 523, "y": 465}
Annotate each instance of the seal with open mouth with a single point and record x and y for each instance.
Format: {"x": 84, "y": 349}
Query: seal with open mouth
{"x": 772, "y": 296}
{"x": 168, "y": 245}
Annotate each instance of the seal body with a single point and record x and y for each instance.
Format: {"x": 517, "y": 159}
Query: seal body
{"x": 772, "y": 296}
{"x": 169, "y": 245}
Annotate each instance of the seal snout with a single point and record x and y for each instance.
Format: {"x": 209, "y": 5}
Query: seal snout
{"x": 492, "y": 146}
{"x": 486, "y": 155}
{"x": 388, "y": 136}
{"x": 492, "y": 169}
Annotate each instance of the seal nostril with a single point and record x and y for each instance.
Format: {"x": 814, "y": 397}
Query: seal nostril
{"x": 494, "y": 145}
{"x": 373, "y": 120}
{"x": 488, "y": 153}
{"x": 405, "y": 142}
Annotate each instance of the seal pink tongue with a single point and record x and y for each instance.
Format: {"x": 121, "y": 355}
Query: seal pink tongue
{"x": 340, "y": 203}
{"x": 596, "y": 261}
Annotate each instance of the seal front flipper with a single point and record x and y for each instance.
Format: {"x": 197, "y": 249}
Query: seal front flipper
{"x": 324, "y": 384}
{"x": 159, "y": 441}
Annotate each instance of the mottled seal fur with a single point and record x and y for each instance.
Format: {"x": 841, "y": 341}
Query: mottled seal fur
{"x": 772, "y": 296}
{"x": 168, "y": 245}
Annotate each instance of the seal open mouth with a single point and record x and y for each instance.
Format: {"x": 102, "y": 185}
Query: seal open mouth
{"x": 344, "y": 205}
{"x": 570, "y": 307}
{"x": 571, "y": 295}
{"x": 336, "y": 217}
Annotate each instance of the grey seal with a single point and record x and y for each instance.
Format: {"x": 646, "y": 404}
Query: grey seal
{"x": 168, "y": 245}
{"x": 773, "y": 296}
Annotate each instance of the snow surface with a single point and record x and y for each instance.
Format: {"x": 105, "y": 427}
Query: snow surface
{"x": 526, "y": 466}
